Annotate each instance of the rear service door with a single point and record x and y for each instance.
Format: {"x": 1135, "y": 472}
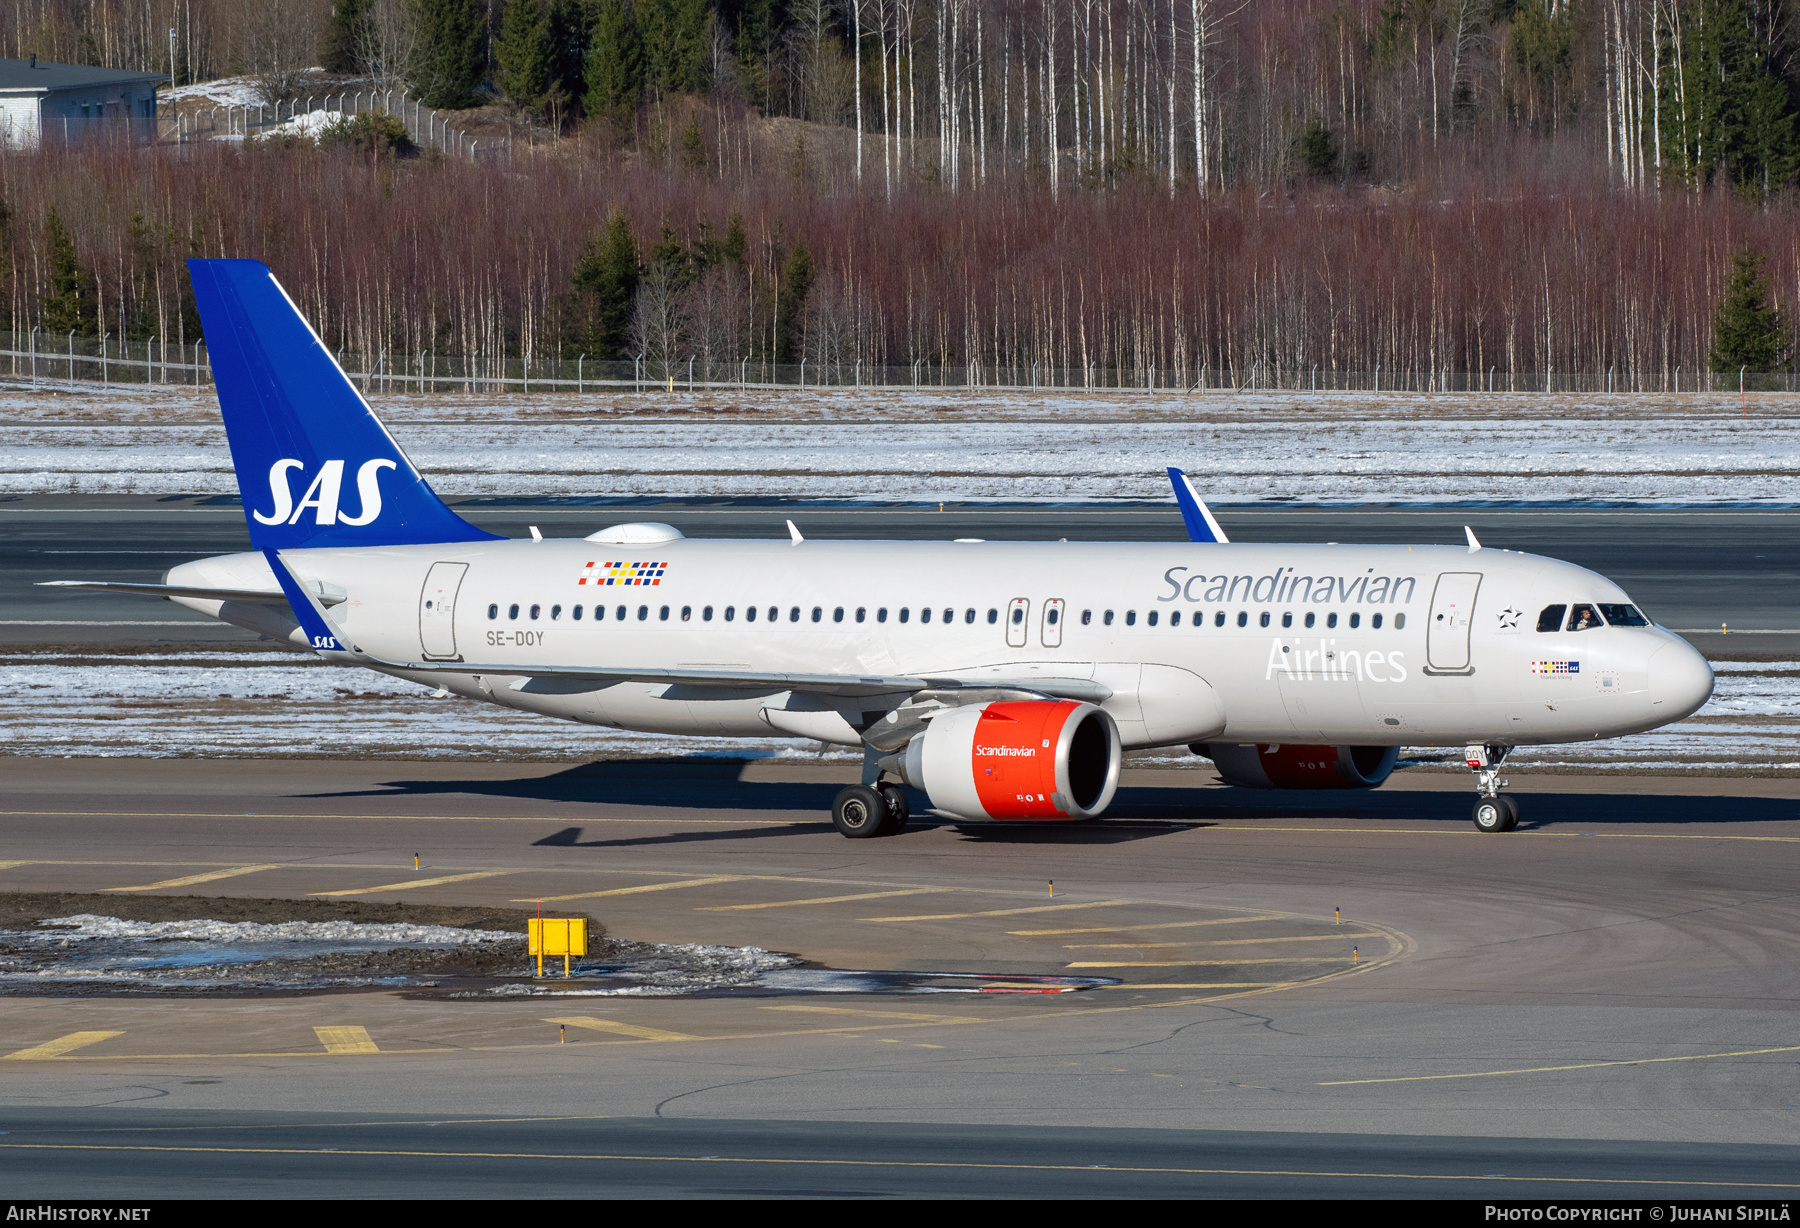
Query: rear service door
{"x": 1017, "y": 612}
{"x": 1053, "y": 616}
{"x": 437, "y": 610}
{"x": 1452, "y": 614}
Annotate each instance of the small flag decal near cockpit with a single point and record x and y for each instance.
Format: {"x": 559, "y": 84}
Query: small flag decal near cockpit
{"x": 1556, "y": 667}
{"x": 607, "y": 574}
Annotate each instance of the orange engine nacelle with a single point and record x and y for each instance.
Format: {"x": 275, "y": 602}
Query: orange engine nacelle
{"x": 1030, "y": 759}
{"x": 1300, "y": 767}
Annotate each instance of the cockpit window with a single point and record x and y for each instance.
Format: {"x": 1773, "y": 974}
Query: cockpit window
{"x": 1620, "y": 615}
{"x": 1551, "y": 618}
{"x": 1584, "y": 617}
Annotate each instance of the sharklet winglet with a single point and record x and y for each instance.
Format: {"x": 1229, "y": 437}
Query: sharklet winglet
{"x": 1201, "y": 526}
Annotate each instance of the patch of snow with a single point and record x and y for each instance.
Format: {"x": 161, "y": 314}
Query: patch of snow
{"x": 82, "y": 926}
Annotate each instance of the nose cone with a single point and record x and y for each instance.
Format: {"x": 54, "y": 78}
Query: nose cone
{"x": 1680, "y": 680}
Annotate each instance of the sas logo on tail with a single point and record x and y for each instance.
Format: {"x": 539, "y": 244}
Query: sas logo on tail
{"x": 322, "y": 495}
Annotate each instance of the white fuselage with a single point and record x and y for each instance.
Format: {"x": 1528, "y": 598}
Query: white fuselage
{"x": 1354, "y": 645}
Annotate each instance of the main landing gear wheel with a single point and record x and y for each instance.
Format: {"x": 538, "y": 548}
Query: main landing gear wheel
{"x": 1496, "y": 814}
{"x": 860, "y": 813}
{"x": 898, "y": 811}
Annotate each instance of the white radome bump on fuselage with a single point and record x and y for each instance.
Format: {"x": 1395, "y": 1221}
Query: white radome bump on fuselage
{"x": 1169, "y": 684}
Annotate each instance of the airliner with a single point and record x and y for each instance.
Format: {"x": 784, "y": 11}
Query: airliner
{"x": 1002, "y": 680}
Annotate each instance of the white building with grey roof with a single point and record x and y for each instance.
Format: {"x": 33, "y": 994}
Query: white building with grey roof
{"x": 69, "y": 103}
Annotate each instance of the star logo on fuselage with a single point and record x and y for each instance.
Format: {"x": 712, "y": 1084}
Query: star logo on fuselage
{"x": 1509, "y": 619}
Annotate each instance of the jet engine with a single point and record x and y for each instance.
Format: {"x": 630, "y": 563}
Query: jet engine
{"x": 1039, "y": 759}
{"x": 1300, "y": 767}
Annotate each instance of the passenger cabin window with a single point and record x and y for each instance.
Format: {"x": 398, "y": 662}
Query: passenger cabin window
{"x": 1131, "y": 618}
{"x": 730, "y": 612}
{"x": 775, "y": 613}
{"x": 1262, "y": 619}
{"x": 1051, "y": 615}
{"x": 1243, "y": 619}
{"x": 512, "y": 611}
{"x": 1310, "y": 616}
{"x": 599, "y": 613}
{"x": 1174, "y": 618}
{"x": 662, "y": 615}
{"x": 1087, "y": 616}
{"x": 555, "y": 612}
{"x": 749, "y": 614}
{"x": 1399, "y": 622}
{"x": 706, "y": 614}
{"x": 1355, "y": 620}
{"x": 1618, "y": 615}
{"x": 1551, "y": 618}
{"x": 1219, "y": 619}
{"x": 1287, "y": 618}
{"x": 643, "y": 612}
{"x": 924, "y": 615}
{"x": 1150, "y": 618}
{"x": 994, "y": 617}
{"x": 862, "y": 612}
{"x": 1018, "y": 616}
{"x": 819, "y": 612}
{"x": 619, "y": 613}
{"x": 1107, "y": 618}
{"x": 969, "y": 616}
{"x": 837, "y": 615}
{"x": 881, "y": 615}
{"x": 1375, "y": 621}
{"x": 493, "y": 611}
{"x": 575, "y": 613}
{"x": 535, "y": 611}
{"x": 1584, "y": 617}
{"x": 687, "y": 613}
{"x": 949, "y": 616}
{"x": 905, "y": 613}
{"x": 793, "y": 615}
{"x": 1331, "y": 619}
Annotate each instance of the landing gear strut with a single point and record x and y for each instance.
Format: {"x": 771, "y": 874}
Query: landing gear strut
{"x": 1493, "y": 812}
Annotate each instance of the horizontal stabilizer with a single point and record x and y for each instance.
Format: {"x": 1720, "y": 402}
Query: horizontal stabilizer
{"x": 248, "y": 596}
{"x": 1201, "y": 526}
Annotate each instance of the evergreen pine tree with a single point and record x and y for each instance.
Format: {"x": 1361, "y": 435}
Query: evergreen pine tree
{"x": 615, "y": 61}
{"x": 525, "y": 53}
{"x": 452, "y": 51}
{"x": 69, "y": 307}
{"x": 604, "y": 281}
{"x": 345, "y": 36}
{"x": 797, "y": 277}
{"x": 1747, "y": 329}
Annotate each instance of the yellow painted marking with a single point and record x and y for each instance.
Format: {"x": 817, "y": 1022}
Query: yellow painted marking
{"x": 594, "y": 895}
{"x": 1144, "y": 963}
{"x": 346, "y": 1040}
{"x": 1132, "y": 929}
{"x": 827, "y": 899}
{"x": 1003, "y": 912}
{"x": 10, "y": 865}
{"x": 1201, "y": 985}
{"x": 1228, "y": 942}
{"x": 62, "y": 1045}
{"x": 888, "y": 1015}
{"x": 1216, "y": 942}
{"x": 193, "y": 879}
{"x": 623, "y": 1029}
{"x": 1234, "y": 963}
{"x": 1489, "y": 1074}
{"x": 976, "y": 1165}
{"x": 411, "y": 884}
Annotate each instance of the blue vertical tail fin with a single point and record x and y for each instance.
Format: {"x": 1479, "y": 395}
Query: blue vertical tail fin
{"x": 314, "y": 464}
{"x": 1201, "y": 526}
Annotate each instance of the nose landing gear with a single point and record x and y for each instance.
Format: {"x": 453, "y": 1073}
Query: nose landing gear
{"x": 1493, "y": 813}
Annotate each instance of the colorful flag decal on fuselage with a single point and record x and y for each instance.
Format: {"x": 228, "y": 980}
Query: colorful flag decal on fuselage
{"x": 1556, "y": 667}
{"x": 604, "y": 575}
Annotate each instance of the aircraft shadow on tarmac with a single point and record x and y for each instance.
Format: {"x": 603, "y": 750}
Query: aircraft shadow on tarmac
{"x": 717, "y": 784}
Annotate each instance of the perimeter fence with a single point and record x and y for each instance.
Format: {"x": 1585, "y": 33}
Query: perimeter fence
{"x": 38, "y": 357}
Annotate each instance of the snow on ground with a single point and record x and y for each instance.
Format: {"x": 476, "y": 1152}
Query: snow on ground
{"x": 345, "y": 935}
{"x": 225, "y": 92}
{"x": 930, "y": 445}
{"x": 255, "y": 704}
{"x": 309, "y": 126}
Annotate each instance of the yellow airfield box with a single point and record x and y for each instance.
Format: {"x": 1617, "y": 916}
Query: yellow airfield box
{"x": 564, "y": 936}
